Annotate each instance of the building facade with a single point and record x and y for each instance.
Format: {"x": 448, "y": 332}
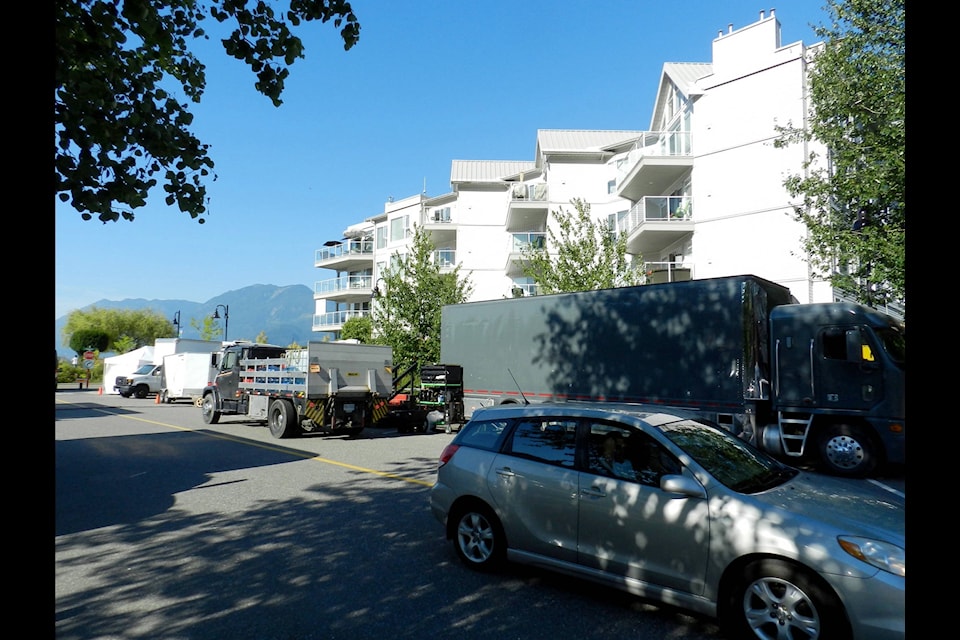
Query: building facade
{"x": 699, "y": 194}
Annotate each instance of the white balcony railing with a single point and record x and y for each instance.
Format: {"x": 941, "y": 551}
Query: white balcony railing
{"x": 337, "y": 318}
{"x": 348, "y": 248}
{"x": 343, "y": 283}
{"x": 655, "y": 143}
{"x": 660, "y": 209}
{"x": 527, "y": 240}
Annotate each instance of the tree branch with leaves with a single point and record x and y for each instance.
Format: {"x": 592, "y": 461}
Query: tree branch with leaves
{"x": 119, "y": 131}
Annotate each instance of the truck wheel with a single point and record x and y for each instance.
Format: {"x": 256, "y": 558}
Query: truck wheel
{"x": 141, "y": 391}
{"x": 282, "y": 420}
{"x": 847, "y": 450}
{"x": 208, "y": 410}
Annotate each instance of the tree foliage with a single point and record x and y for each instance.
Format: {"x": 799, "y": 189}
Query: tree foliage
{"x": 406, "y": 313}
{"x": 90, "y": 338}
{"x": 119, "y": 129}
{"x": 207, "y": 327}
{"x": 126, "y": 330}
{"x": 583, "y": 254}
{"x": 857, "y": 112}
{"x": 357, "y": 328}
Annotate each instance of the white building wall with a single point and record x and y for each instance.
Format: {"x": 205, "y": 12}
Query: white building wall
{"x": 744, "y": 215}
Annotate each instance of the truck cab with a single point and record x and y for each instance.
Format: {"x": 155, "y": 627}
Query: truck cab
{"x": 227, "y": 382}
{"x": 142, "y": 382}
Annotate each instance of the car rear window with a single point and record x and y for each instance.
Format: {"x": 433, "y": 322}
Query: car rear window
{"x": 482, "y": 434}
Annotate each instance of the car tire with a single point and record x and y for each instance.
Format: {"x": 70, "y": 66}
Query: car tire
{"x": 141, "y": 392}
{"x": 847, "y": 451}
{"x": 776, "y": 599}
{"x": 478, "y": 538}
{"x": 208, "y": 409}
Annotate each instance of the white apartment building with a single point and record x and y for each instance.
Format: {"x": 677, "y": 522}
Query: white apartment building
{"x": 698, "y": 195}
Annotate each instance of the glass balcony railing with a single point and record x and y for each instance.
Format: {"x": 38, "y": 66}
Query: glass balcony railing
{"x": 660, "y": 209}
{"x": 348, "y": 248}
{"x": 343, "y": 283}
{"x": 530, "y": 192}
{"x": 335, "y": 319}
{"x": 445, "y": 258}
{"x": 527, "y": 240}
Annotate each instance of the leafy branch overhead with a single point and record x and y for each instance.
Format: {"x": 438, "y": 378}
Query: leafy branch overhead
{"x": 119, "y": 131}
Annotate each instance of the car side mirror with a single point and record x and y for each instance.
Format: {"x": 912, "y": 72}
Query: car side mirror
{"x": 682, "y": 485}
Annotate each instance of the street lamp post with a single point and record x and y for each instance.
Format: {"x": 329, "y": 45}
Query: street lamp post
{"x": 226, "y": 318}
{"x": 176, "y": 323}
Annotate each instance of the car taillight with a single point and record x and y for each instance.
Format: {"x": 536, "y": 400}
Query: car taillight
{"x": 447, "y": 453}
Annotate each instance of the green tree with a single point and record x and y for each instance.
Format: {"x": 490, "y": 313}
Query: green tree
{"x": 118, "y": 128}
{"x": 126, "y": 329}
{"x": 406, "y": 314}
{"x": 583, "y": 254}
{"x": 357, "y": 328}
{"x": 207, "y": 327}
{"x": 83, "y": 339}
{"x": 857, "y": 114}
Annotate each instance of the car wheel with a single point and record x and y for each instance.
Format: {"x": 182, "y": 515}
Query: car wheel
{"x": 775, "y": 599}
{"x": 282, "y": 419}
{"x": 848, "y": 451}
{"x": 141, "y": 392}
{"x": 208, "y": 410}
{"x": 479, "y": 539}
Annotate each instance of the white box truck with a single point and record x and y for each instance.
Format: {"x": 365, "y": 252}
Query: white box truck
{"x": 184, "y": 376}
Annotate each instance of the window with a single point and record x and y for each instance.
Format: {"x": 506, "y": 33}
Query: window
{"x": 547, "y": 440}
{"x": 611, "y": 186}
{"x": 398, "y": 228}
{"x": 628, "y": 454}
{"x": 484, "y": 435}
{"x": 381, "y": 236}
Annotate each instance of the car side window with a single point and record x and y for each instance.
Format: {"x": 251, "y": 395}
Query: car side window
{"x": 548, "y": 440}
{"x": 485, "y": 434}
{"x": 625, "y": 453}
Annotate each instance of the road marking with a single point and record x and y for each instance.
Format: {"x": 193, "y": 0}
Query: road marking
{"x": 262, "y": 445}
{"x": 887, "y": 487}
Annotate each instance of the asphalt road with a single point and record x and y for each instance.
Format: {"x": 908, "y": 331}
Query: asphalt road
{"x": 171, "y": 529}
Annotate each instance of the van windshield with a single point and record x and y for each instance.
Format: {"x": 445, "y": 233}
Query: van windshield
{"x": 144, "y": 369}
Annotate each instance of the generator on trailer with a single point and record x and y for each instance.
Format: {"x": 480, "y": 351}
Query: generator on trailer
{"x": 327, "y": 387}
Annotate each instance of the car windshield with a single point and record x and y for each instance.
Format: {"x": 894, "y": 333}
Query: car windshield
{"x": 146, "y": 368}
{"x": 734, "y": 462}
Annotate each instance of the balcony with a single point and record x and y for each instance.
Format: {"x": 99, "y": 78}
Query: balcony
{"x": 349, "y": 289}
{"x": 529, "y": 206}
{"x": 334, "y": 320}
{"x": 350, "y": 255}
{"x": 659, "y": 272}
{"x": 656, "y": 222}
{"x": 519, "y": 243}
{"x": 658, "y": 160}
{"x": 446, "y": 259}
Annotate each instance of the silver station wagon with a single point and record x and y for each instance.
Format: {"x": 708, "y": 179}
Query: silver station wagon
{"x": 678, "y": 511}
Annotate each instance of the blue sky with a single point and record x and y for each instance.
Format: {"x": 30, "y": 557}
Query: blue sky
{"x": 429, "y": 82}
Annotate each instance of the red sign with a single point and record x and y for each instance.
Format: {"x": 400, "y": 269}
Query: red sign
{"x": 89, "y": 355}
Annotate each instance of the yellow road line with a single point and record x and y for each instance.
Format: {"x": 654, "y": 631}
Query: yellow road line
{"x": 263, "y": 445}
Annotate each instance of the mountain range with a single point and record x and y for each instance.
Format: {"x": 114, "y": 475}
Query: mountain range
{"x": 283, "y": 314}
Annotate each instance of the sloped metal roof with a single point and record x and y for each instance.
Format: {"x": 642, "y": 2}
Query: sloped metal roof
{"x": 581, "y": 140}
{"x": 487, "y": 170}
{"x": 685, "y": 75}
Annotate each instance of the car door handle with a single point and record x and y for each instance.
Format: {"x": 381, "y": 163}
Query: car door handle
{"x": 594, "y": 492}
{"x": 506, "y": 472}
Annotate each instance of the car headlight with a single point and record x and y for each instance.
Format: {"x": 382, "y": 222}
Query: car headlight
{"x": 882, "y": 555}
